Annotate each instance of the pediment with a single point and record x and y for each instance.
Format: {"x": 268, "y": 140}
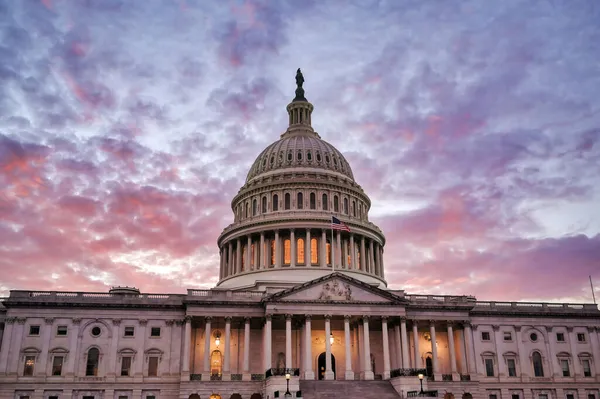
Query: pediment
{"x": 335, "y": 287}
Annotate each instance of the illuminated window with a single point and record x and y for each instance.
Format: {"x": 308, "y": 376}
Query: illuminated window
{"x": 358, "y": 258}
{"x": 272, "y": 252}
{"x": 336, "y": 204}
{"x": 300, "y": 201}
{"x": 275, "y": 204}
{"x": 57, "y": 364}
{"x": 93, "y": 358}
{"x": 348, "y": 252}
{"x": 264, "y": 205}
{"x": 244, "y": 251}
{"x": 313, "y": 201}
{"x": 28, "y": 367}
{"x": 314, "y": 252}
{"x": 328, "y": 250}
{"x": 252, "y": 253}
{"x": 325, "y": 204}
{"x": 287, "y": 201}
{"x": 216, "y": 363}
{"x": 300, "y": 255}
{"x": 287, "y": 252}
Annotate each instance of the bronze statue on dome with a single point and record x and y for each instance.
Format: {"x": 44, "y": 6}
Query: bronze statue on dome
{"x": 299, "y": 89}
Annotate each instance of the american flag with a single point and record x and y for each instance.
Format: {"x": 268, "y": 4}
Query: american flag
{"x": 336, "y": 224}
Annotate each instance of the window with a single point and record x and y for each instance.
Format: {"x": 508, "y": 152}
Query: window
{"x": 564, "y": 365}
{"x": 533, "y": 337}
{"x": 346, "y": 206}
{"x": 287, "y": 252}
{"x": 560, "y": 337}
{"x": 263, "y": 207}
{"x": 243, "y": 257}
{"x": 515, "y": 396}
{"x": 34, "y": 330}
{"x": 93, "y": 358}
{"x": 61, "y": 331}
{"x": 489, "y": 367}
{"x": 538, "y": 368}
{"x": 300, "y": 201}
{"x": 96, "y": 331}
{"x": 543, "y": 396}
{"x": 354, "y": 208}
{"x": 300, "y": 250}
{"x": 324, "y": 201}
{"x": 123, "y": 397}
{"x": 88, "y": 397}
{"x": 29, "y": 364}
{"x": 254, "y": 207}
{"x": 299, "y": 156}
{"x": 129, "y": 331}
{"x": 314, "y": 251}
{"x": 493, "y": 396}
{"x": 152, "y": 366}
{"x": 580, "y": 337}
{"x": 313, "y": 201}
{"x": 247, "y": 210}
{"x": 290, "y": 156}
{"x": 125, "y": 365}
{"x": 272, "y": 252}
{"x": 155, "y": 332}
{"x": 309, "y": 156}
{"x": 512, "y": 367}
{"x": 591, "y": 396}
{"x": 287, "y": 201}
{"x": 57, "y": 364}
{"x": 275, "y": 204}
{"x": 52, "y": 397}
{"x": 485, "y": 336}
{"x": 328, "y": 252}
{"x": 318, "y": 157}
{"x": 336, "y": 204}
{"x": 507, "y": 336}
{"x": 570, "y": 396}
{"x": 587, "y": 369}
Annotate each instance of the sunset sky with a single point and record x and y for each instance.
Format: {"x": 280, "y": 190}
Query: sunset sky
{"x": 126, "y": 128}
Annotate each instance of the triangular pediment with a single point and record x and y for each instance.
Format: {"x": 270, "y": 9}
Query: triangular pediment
{"x": 336, "y": 288}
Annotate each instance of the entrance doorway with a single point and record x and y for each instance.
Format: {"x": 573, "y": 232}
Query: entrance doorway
{"x": 429, "y": 366}
{"x": 321, "y": 365}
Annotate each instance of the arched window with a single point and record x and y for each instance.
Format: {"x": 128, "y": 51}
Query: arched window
{"x": 254, "y": 207}
{"x": 325, "y": 204}
{"x": 264, "y": 205}
{"x": 287, "y": 252}
{"x": 216, "y": 362}
{"x": 538, "y": 368}
{"x": 252, "y": 253}
{"x": 272, "y": 252}
{"x": 314, "y": 251}
{"x": 346, "y": 206}
{"x": 287, "y": 201}
{"x": 354, "y": 208}
{"x": 275, "y": 204}
{"x": 336, "y": 204}
{"x": 300, "y": 201}
{"x": 328, "y": 251}
{"x": 93, "y": 359}
{"x": 313, "y": 201}
{"x": 244, "y": 251}
{"x": 300, "y": 250}
{"x": 247, "y": 209}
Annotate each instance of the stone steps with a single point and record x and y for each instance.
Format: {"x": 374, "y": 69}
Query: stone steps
{"x": 348, "y": 390}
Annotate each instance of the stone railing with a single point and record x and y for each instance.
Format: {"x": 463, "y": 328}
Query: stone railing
{"x": 465, "y": 377}
{"x": 406, "y": 372}
{"x": 541, "y": 307}
{"x": 94, "y": 297}
{"x": 465, "y": 301}
{"x": 236, "y": 377}
{"x": 195, "y": 377}
{"x": 427, "y": 394}
{"x": 282, "y": 372}
{"x": 217, "y": 295}
{"x": 257, "y": 377}
{"x": 446, "y": 377}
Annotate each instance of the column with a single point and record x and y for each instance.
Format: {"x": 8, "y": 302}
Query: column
{"x": 452, "y": 352}
{"x": 471, "y": 349}
{"x": 308, "y": 370}
{"x": 267, "y": 351}
{"x": 246, "y": 365}
{"x": 139, "y": 360}
{"x": 418, "y": 362}
{"x": 6, "y": 337}
{"x": 595, "y": 344}
{"x": 249, "y": 254}
{"x": 277, "y": 249}
{"x": 371, "y": 258}
{"x": 502, "y": 372}
{"x": 16, "y": 346}
{"x": 221, "y": 270}
{"x": 293, "y": 248}
{"x": 206, "y": 374}
{"x": 381, "y": 268}
{"x": 238, "y": 256}
{"x": 405, "y": 348}
{"x": 572, "y": 340}
{"x": 553, "y": 361}
{"x": 368, "y": 375}
{"x": 349, "y": 375}
{"x": 43, "y": 360}
{"x": 377, "y": 260}
{"x": 345, "y": 264}
{"x": 399, "y": 347}
{"x": 338, "y": 250}
{"x": 386, "y": 349}
{"x": 328, "y": 372}
{"x": 73, "y": 343}
{"x": 307, "y": 249}
{"x": 323, "y": 249}
{"x": 227, "y": 350}
{"x": 361, "y": 349}
{"x": 288, "y": 341}
{"x": 230, "y": 262}
{"x": 436, "y": 366}
{"x": 187, "y": 341}
{"x": 114, "y": 344}
{"x": 261, "y": 252}
{"x": 362, "y": 254}
{"x": 352, "y": 253}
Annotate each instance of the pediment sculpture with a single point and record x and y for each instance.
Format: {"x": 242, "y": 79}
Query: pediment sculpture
{"x": 335, "y": 291}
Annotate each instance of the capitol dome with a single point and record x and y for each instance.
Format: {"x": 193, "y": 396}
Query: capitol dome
{"x": 282, "y": 231}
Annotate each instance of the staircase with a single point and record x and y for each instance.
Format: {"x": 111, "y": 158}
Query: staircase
{"x": 348, "y": 390}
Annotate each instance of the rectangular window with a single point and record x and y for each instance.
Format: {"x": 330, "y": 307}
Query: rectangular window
{"x": 507, "y": 336}
{"x": 24, "y": 397}
{"x": 543, "y": 396}
{"x": 155, "y": 332}
{"x": 493, "y": 396}
{"x": 581, "y": 337}
{"x": 591, "y": 396}
{"x": 587, "y": 370}
{"x": 564, "y": 364}
{"x": 560, "y": 337}
{"x": 34, "y": 330}
{"x": 61, "y": 331}
{"x": 570, "y": 396}
{"x": 88, "y": 397}
{"x": 57, "y": 364}
{"x": 28, "y": 367}
{"x": 123, "y": 397}
{"x": 129, "y": 331}
{"x": 485, "y": 336}
{"x": 515, "y": 396}
{"x": 150, "y": 397}
{"x": 512, "y": 367}
{"x": 52, "y": 397}
{"x": 125, "y": 365}
{"x": 153, "y": 366}
{"x": 489, "y": 367}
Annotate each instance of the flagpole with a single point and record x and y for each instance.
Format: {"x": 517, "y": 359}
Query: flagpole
{"x": 592, "y": 285}
{"x": 332, "y": 251}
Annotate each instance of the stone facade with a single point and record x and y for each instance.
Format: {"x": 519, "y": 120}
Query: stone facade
{"x": 295, "y": 297}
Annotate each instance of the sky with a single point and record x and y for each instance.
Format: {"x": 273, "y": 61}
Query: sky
{"x": 126, "y": 128}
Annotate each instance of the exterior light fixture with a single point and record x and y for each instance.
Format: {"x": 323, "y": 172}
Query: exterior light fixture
{"x": 217, "y": 340}
{"x": 331, "y": 339}
{"x": 421, "y": 376}
{"x": 288, "y": 394}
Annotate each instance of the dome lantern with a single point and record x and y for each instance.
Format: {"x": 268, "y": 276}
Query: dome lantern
{"x": 300, "y": 110}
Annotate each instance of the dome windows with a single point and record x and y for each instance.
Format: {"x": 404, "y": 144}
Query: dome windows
{"x": 299, "y": 155}
{"x": 254, "y": 207}
{"x": 275, "y": 204}
{"x": 264, "y": 205}
{"x": 287, "y": 201}
{"x": 308, "y": 156}
{"x": 300, "y": 202}
{"x": 336, "y": 203}
{"x": 272, "y": 159}
{"x": 325, "y": 202}
{"x": 326, "y": 158}
{"x": 346, "y": 206}
{"x": 318, "y": 157}
{"x": 290, "y": 157}
{"x": 313, "y": 201}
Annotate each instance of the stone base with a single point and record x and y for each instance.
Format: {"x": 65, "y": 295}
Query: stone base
{"x": 185, "y": 376}
{"x": 205, "y": 377}
{"x": 437, "y": 377}
{"x": 349, "y": 375}
{"x": 386, "y": 375}
{"x": 455, "y": 377}
{"x": 309, "y": 375}
{"x": 367, "y": 375}
{"x": 329, "y": 375}
{"x": 226, "y": 377}
{"x": 246, "y": 377}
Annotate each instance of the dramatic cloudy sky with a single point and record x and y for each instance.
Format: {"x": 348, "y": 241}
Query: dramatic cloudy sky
{"x": 127, "y": 126}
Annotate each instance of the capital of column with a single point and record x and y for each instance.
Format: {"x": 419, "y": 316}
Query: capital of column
{"x": 116, "y": 322}
{"x": 227, "y": 319}
{"x": 449, "y": 323}
{"x": 466, "y": 323}
{"x": 208, "y": 319}
{"x": 288, "y": 317}
{"x": 384, "y": 318}
{"x": 187, "y": 319}
{"x": 415, "y": 323}
{"x": 589, "y": 329}
{"x": 21, "y": 320}
{"x": 550, "y": 328}
{"x": 76, "y": 320}
{"x": 403, "y": 318}
{"x": 495, "y": 327}
{"x": 10, "y": 320}
{"x": 268, "y": 316}
{"x": 432, "y": 323}
{"x": 143, "y": 322}
{"x": 307, "y": 317}
{"x": 327, "y": 317}
{"x": 247, "y": 319}
{"x": 49, "y": 320}
{"x": 366, "y": 317}
{"x": 347, "y": 317}
{"x": 169, "y": 323}
{"x": 569, "y": 329}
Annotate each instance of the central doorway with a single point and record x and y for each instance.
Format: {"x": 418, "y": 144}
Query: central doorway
{"x": 321, "y": 365}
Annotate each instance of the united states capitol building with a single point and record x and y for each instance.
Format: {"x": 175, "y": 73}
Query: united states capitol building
{"x": 301, "y": 309}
